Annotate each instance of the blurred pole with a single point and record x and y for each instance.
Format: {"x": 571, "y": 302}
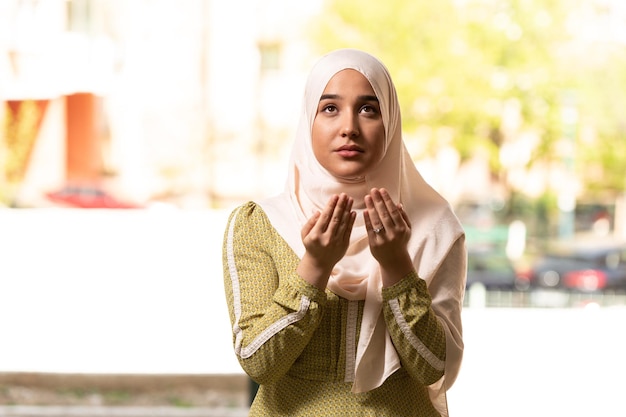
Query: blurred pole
{"x": 207, "y": 118}
{"x": 567, "y": 191}
{"x": 620, "y": 218}
{"x": 477, "y": 295}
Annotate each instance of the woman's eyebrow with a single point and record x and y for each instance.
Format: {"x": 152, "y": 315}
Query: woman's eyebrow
{"x": 369, "y": 98}
{"x": 337, "y": 96}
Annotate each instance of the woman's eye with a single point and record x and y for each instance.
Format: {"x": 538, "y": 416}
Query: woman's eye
{"x": 329, "y": 108}
{"x": 369, "y": 109}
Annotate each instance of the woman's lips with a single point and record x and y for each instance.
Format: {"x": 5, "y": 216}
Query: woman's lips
{"x": 349, "y": 151}
{"x": 349, "y": 154}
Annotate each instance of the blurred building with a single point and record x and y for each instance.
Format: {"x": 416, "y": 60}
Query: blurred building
{"x": 148, "y": 99}
{"x": 194, "y": 103}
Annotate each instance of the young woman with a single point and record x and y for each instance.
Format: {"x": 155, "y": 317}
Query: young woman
{"x": 345, "y": 291}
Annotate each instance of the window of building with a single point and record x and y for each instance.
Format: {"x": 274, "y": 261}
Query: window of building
{"x": 270, "y": 57}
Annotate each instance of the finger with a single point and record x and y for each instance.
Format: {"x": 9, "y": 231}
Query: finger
{"x": 327, "y": 214}
{"x": 391, "y": 207}
{"x": 348, "y": 210}
{"x": 349, "y": 224}
{"x": 343, "y": 209}
{"x": 308, "y": 226}
{"x": 404, "y": 215}
{"x": 372, "y": 214}
{"x": 384, "y": 216}
{"x": 368, "y": 221}
{"x": 387, "y": 209}
{"x": 340, "y": 214}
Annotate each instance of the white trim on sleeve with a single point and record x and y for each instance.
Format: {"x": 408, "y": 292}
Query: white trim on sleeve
{"x": 274, "y": 328}
{"x": 421, "y": 348}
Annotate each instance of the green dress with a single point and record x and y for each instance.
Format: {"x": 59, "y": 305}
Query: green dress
{"x": 299, "y": 343}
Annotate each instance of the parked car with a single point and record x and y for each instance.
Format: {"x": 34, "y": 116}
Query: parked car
{"x": 87, "y": 197}
{"x": 494, "y": 270}
{"x": 587, "y": 268}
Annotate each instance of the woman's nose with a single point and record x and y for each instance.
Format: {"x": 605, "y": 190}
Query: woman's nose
{"x": 350, "y": 126}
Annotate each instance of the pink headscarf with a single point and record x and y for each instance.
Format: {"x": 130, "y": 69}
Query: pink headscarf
{"x": 309, "y": 187}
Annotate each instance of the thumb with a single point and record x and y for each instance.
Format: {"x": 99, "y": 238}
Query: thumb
{"x": 308, "y": 226}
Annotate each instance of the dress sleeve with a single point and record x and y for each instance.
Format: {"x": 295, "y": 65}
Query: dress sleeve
{"x": 273, "y": 312}
{"x": 417, "y": 334}
{"x": 424, "y": 320}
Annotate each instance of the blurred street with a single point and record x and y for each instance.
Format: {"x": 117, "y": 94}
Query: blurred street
{"x": 140, "y": 292}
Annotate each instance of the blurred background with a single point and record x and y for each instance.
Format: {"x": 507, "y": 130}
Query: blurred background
{"x": 131, "y": 128}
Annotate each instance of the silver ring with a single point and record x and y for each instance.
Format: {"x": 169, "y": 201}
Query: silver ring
{"x": 378, "y": 230}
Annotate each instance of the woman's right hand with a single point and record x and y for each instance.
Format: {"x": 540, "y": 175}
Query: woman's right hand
{"x": 326, "y": 236}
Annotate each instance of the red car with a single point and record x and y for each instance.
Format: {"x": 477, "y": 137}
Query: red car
{"x": 88, "y": 197}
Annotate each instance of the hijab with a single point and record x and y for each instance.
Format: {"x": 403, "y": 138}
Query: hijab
{"x": 309, "y": 186}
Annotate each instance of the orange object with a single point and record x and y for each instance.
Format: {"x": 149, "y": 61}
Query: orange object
{"x": 84, "y": 147}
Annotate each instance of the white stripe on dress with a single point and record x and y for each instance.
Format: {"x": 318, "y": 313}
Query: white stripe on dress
{"x": 351, "y": 323}
{"x": 421, "y": 348}
{"x": 274, "y": 328}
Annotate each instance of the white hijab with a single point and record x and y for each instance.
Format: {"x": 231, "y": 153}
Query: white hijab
{"x": 309, "y": 187}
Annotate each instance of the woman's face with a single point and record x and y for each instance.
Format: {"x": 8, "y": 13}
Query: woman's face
{"x": 348, "y": 135}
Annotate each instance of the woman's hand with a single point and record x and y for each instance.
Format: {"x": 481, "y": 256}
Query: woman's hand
{"x": 326, "y": 237}
{"x": 389, "y": 230}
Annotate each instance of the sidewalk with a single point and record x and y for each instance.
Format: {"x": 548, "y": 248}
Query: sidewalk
{"x": 115, "y": 395}
{"x": 118, "y": 411}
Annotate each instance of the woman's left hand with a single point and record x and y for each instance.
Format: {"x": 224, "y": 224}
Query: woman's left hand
{"x": 389, "y": 230}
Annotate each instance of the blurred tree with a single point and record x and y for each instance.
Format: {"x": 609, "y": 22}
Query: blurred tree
{"x": 601, "y": 153}
{"x": 487, "y": 71}
{"x": 18, "y": 135}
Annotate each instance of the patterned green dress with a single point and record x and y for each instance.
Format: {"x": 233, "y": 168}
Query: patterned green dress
{"x": 299, "y": 343}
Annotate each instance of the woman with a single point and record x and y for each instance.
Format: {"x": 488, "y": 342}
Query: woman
{"x": 345, "y": 290}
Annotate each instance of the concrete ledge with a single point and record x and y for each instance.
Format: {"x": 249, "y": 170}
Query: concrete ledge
{"x": 134, "y": 382}
{"x": 99, "y": 411}
{"x": 43, "y": 394}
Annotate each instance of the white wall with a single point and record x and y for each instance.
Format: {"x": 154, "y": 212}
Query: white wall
{"x": 96, "y": 291}
{"x": 113, "y": 291}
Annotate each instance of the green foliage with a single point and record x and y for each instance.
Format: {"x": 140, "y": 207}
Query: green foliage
{"x": 459, "y": 65}
{"x": 179, "y": 402}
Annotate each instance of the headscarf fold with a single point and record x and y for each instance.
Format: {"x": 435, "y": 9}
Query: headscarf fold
{"x": 309, "y": 186}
